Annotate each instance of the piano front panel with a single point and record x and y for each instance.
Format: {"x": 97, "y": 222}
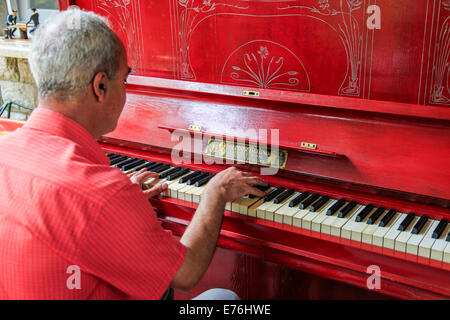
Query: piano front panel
{"x": 321, "y": 47}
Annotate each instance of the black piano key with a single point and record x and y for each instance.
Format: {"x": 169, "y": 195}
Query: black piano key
{"x": 388, "y": 217}
{"x": 419, "y": 225}
{"x": 440, "y": 228}
{"x": 364, "y": 212}
{"x": 335, "y": 207}
{"x": 406, "y": 222}
{"x": 448, "y": 237}
{"x": 374, "y": 217}
{"x": 169, "y": 172}
{"x": 319, "y": 204}
{"x": 273, "y": 194}
{"x": 160, "y": 169}
{"x": 133, "y": 164}
{"x": 114, "y": 156}
{"x": 262, "y": 188}
{"x": 117, "y": 160}
{"x": 298, "y": 199}
{"x": 283, "y": 196}
{"x": 189, "y": 176}
{"x": 309, "y": 200}
{"x": 124, "y": 162}
{"x": 345, "y": 210}
{"x": 203, "y": 181}
{"x": 156, "y": 165}
{"x": 177, "y": 174}
{"x": 144, "y": 166}
{"x": 197, "y": 178}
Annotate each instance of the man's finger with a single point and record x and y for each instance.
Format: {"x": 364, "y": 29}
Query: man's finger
{"x": 156, "y": 190}
{"x": 255, "y": 181}
{"x": 256, "y": 192}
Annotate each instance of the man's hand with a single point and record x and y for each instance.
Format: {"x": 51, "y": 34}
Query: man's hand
{"x": 232, "y": 184}
{"x": 142, "y": 176}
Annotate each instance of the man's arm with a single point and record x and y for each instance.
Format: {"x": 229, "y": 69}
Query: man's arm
{"x": 200, "y": 237}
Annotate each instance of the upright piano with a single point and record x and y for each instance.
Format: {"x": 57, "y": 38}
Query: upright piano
{"x": 343, "y": 107}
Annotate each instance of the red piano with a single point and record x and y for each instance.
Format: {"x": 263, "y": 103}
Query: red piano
{"x": 342, "y": 106}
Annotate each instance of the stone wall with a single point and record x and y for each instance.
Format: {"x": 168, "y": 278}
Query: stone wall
{"x": 17, "y": 83}
{"x": 3, "y": 12}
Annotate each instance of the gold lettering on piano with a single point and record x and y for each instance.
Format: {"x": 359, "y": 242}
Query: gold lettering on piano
{"x": 241, "y": 152}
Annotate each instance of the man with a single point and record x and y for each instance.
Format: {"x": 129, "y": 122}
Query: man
{"x": 63, "y": 208}
{"x": 11, "y": 20}
{"x": 35, "y": 18}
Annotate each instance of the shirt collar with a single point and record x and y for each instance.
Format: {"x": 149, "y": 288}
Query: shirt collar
{"x": 57, "y": 124}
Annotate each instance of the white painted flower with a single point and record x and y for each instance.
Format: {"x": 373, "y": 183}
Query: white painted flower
{"x": 263, "y": 52}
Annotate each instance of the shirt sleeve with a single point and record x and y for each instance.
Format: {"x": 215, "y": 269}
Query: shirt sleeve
{"x": 127, "y": 247}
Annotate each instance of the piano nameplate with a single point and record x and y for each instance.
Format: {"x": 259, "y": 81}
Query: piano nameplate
{"x": 246, "y": 153}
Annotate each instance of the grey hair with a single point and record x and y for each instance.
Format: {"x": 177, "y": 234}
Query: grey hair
{"x": 68, "y": 50}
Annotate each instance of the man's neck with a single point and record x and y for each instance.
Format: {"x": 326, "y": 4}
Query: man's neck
{"x": 75, "y": 111}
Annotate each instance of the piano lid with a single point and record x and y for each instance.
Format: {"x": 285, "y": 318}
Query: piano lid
{"x": 351, "y": 105}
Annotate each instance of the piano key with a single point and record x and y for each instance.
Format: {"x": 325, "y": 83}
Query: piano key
{"x": 117, "y": 160}
{"x": 270, "y": 211}
{"x": 132, "y": 164}
{"x": 262, "y": 188}
{"x": 425, "y": 245}
{"x": 392, "y": 223}
{"x": 371, "y": 228}
{"x": 283, "y": 196}
{"x": 345, "y": 210}
{"x": 178, "y": 174}
{"x": 446, "y": 255}
{"x": 440, "y": 228}
{"x": 363, "y": 214}
{"x": 333, "y": 225}
{"x": 286, "y": 212}
{"x": 190, "y": 176}
{"x": 316, "y": 223}
{"x": 391, "y": 213}
{"x": 419, "y": 225}
{"x": 193, "y": 180}
{"x": 351, "y": 224}
{"x": 412, "y": 245}
{"x": 308, "y": 219}
{"x": 241, "y": 205}
{"x": 308, "y": 201}
{"x": 203, "y": 181}
{"x": 153, "y": 167}
{"x": 375, "y": 215}
{"x": 405, "y": 223}
{"x": 335, "y": 207}
{"x": 279, "y": 215}
{"x": 177, "y": 185}
{"x": 169, "y": 172}
{"x": 319, "y": 203}
{"x": 161, "y": 169}
{"x": 124, "y": 162}
{"x": 143, "y": 166}
{"x": 437, "y": 250}
{"x": 114, "y": 156}
{"x": 301, "y": 196}
{"x": 251, "y": 211}
{"x": 273, "y": 194}
{"x": 403, "y": 236}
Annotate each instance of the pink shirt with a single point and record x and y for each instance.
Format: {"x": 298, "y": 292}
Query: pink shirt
{"x": 62, "y": 205}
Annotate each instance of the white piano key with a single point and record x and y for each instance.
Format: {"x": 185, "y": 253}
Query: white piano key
{"x": 412, "y": 245}
{"x": 241, "y": 205}
{"x": 446, "y": 255}
{"x": 392, "y": 234}
{"x": 280, "y": 215}
{"x": 335, "y": 227}
{"x": 316, "y": 223}
{"x": 379, "y": 235}
{"x": 437, "y": 250}
{"x": 352, "y": 229}
{"x": 261, "y": 210}
{"x": 270, "y": 212}
{"x": 367, "y": 233}
{"x": 427, "y": 242}
{"x": 403, "y": 237}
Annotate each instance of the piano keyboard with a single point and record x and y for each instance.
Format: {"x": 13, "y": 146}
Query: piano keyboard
{"x": 383, "y": 227}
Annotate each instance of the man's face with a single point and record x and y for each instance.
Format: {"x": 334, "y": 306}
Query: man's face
{"x": 14, "y": 13}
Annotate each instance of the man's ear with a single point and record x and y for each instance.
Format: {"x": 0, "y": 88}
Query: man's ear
{"x": 99, "y": 86}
